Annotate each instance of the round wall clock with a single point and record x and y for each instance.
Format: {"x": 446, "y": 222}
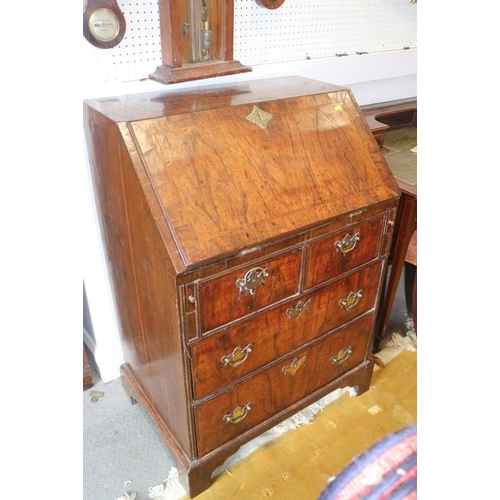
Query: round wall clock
{"x": 270, "y": 4}
{"x": 103, "y": 23}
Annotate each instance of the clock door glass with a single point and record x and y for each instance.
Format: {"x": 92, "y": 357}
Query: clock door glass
{"x": 201, "y": 31}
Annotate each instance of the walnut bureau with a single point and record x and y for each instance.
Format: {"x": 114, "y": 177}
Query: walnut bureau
{"x": 247, "y": 229}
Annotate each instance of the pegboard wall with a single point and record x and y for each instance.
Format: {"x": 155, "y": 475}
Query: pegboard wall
{"x": 298, "y": 30}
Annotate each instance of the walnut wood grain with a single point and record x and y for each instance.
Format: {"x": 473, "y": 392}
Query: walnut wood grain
{"x": 325, "y": 260}
{"x": 235, "y": 193}
{"x": 148, "y": 105}
{"x": 317, "y": 370}
{"x": 282, "y": 282}
{"x": 150, "y": 332}
{"x": 190, "y": 195}
{"x": 195, "y": 474}
{"x": 274, "y": 333}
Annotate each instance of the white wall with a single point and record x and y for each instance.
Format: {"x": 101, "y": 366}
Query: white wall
{"x": 379, "y": 76}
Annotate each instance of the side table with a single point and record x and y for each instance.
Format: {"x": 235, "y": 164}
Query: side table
{"x": 381, "y": 120}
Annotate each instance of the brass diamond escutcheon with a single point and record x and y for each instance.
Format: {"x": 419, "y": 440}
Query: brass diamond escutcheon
{"x": 260, "y": 117}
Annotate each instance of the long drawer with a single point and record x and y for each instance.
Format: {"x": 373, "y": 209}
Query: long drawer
{"x": 229, "y": 355}
{"x": 246, "y": 405}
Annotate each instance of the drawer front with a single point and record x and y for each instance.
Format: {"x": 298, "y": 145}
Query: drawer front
{"x": 239, "y": 293}
{"x": 246, "y": 405}
{"x": 342, "y": 252}
{"x": 225, "y": 357}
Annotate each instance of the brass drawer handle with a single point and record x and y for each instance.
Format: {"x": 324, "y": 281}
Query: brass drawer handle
{"x": 293, "y": 366}
{"x": 301, "y": 308}
{"x": 347, "y": 244}
{"x": 236, "y": 416}
{"x": 342, "y": 356}
{"x": 237, "y": 356}
{"x": 252, "y": 280}
{"x": 351, "y": 300}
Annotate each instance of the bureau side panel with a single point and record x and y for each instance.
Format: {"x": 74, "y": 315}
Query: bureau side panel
{"x": 141, "y": 275}
{"x": 103, "y": 145}
{"x": 163, "y": 377}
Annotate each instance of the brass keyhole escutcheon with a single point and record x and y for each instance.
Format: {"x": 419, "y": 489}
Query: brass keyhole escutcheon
{"x": 299, "y": 310}
{"x": 260, "y": 117}
{"x": 347, "y": 244}
{"x": 252, "y": 280}
{"x": 293, "y": 367}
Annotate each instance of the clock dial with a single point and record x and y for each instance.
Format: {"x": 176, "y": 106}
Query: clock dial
{"x": 103, "y": 23}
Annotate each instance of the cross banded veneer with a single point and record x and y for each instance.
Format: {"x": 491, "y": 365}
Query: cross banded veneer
{"x": 247, "y": 228}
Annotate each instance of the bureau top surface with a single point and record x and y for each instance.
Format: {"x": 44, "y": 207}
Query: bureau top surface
{"x": 229, "y": 167}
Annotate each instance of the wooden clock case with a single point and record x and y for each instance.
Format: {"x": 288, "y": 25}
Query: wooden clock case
{"x": 178, "y": 27}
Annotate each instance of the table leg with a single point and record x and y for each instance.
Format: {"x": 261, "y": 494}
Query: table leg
{"x": 405, "y": 225}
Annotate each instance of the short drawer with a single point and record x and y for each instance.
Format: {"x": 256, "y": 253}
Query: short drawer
{"x": 342, "y": 252}
{"x": 246, "y": 405}
{"x": 225, "y": 357}
{"x": 234, "y": 295}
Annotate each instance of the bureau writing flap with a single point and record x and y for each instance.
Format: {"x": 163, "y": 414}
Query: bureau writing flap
{"x": 230, "y": 176}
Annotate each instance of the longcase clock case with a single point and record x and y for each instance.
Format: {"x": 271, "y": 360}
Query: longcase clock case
{"x": 247, "y": 228}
